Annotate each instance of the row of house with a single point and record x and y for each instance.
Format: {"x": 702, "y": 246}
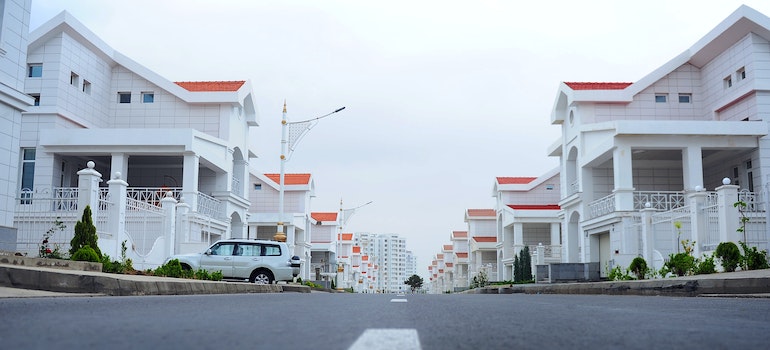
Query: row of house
{"x": 165, "y": 166}
{"x": 642, "y": 166}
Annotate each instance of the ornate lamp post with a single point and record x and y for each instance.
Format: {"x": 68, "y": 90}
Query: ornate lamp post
{"x": 291, "y": 134}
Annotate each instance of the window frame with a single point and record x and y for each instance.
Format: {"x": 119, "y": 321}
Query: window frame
{"x": 33, "y": 68}
{"x": 661, "y": 98}
{"x": 145, "y": 95}
{"x": 687, "y": 96}
{"x": 122, "y": 94}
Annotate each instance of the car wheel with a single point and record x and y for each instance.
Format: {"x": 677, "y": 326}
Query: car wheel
{"x": 261, "y": 277}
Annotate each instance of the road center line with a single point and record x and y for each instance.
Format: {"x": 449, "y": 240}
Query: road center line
{"x": 397, "y": 300}
{"x": 384, "y": 338}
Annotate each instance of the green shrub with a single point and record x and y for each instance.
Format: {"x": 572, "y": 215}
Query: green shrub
{"x": 170, "y": 269}
{"x": 680, "y": 264}
{"x": 86, "y": 253}
{"x": 729, "y": 254}
{"x": 618, "y": 274}
{"x": 638, "y": 267}
{"x": 85, "y": 235}
{"x": 705, "y": 266}
{"x": 753, "y": 259}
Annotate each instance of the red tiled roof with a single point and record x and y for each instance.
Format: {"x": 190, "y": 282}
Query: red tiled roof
{"x": 485, "y": 239}
{"x": 481, "y": 212}
{"x": 534, "y": 206}
{"x": 323, "y": 216}
{"x": 291, "y": 179}
{"x": 462, "y": 255}
{"x": 504, "y": 180}
{"x": 356, "y": 249}
{"x": 345, "y": 237}
{"x": 449, "y": 264}
{"x": 440, "y": 270}
{"x": 365, "y": 258}
{"x": 596, "y": 86}
{"x": 198, "y": 86}
{"x": 448, "y": 247}
{"x": 439, "y": 256}
{"x": 460, "y": 234}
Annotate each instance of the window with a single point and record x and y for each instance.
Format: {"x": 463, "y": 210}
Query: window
{"x": 27, "y": 173}
{"x": 685, "y": 98}
{"x": 741, "y": 73}
{"x": 124, "y": 97}
{"x": 87, "y": 86}
{"x": 74, "y": 79}
{"x": 257, "y": 187}
{"x": 148, "y": 97}
{"x": 728, "y": 82}
{"x": 660, "y": 98}
{"x": 35, "y": 70}
{"x": 37, "y": 99}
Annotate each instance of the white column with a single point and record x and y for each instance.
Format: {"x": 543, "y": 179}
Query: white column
{"x": 555, "y": 233}
{"x": 190, "y": 180}
{"x": 697, "y": 221}
{"x": 182, "y": 226}
{"x": 168, "y": 203}
{"x": 692, "y": 167}
{"x": 88, "y": 189}
{"x": 623, "y": 176}
{"x": 119, "y": 164}
{"x": 518, "y": 238}
{"x": 729, "y": 218}
{"x": 648, "y": 238}
{"x": 117, "y": 214}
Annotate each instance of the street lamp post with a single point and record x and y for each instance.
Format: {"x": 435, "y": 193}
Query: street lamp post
{"x": 345, "y": 215}
{"x": 291, "y": 134}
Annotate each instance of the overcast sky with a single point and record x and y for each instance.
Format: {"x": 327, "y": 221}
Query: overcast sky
{"x": 441, "y": 96}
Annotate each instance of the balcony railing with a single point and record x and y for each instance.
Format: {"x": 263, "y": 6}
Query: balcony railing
{"x": 659, "y": 200}
{"x": 573, "y": 188}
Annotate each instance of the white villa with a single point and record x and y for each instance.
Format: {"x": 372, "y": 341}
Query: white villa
{"x": 164, "y": 166}
{"x": 527, "y": 215}
{"x": 14, "y": 31}
{"x": 482, "y": 240}
{"x": 677, "y": 148}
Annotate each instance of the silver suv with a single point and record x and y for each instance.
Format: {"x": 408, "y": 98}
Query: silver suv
{"x": 258, "y": 261}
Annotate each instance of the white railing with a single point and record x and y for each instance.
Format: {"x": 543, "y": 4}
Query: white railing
{"x": 236, "y": 186}
{"x": 144, "y": 225}
{"x": 210, "y": 206}
{"x": 36, "y": 212}
{"x": 660, "y": 200}
{"x": 601, "y": 206}
{"x": 152, "y": 195}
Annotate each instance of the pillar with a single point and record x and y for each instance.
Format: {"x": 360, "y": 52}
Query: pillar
{"x": 729, "y": 218}
{"x": 117, "y": 212}
{"x": 623, "y": 176}
{"x": 692, "y": 167}
{"x": 698, "y": 220}
{"x": 168, "y": 203}
{"x": 182, "y": 233}
{"x": 190, "y": 180}
{"x": 88, "y": 189}
{"x": 648, "y": 237}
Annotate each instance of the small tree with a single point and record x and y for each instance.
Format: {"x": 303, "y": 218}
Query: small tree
{"x": 414, "y": 281}
{"x": 729, "y": 254}
{"x": 638, "y": 267}
{"x": 85, "y": 234}
{"x": 516, "y": 268}
{"x": 526, "y": 264}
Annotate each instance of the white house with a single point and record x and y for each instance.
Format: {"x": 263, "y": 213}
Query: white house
{"x": 460, "y": 266}
{"x": 146, "y": 136}
{"x": 323, "y": 243}
{"x": 643, "y": 163}
{"x": 14, "y": 30}
{"x": 482, "y": 238}
{"x": 527, "y": 215}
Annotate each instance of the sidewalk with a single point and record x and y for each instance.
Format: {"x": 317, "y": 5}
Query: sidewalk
{"x": 36, "y": 279}
{"x": 755, "y": 283}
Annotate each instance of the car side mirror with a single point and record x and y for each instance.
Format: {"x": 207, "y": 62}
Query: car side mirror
{"x": 208, "y": 251}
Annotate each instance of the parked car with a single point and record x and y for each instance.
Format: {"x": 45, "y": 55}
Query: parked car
{"x": 258, "y": 261}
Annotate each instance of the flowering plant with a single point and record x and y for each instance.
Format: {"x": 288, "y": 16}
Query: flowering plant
{"x": 45, "y": 250}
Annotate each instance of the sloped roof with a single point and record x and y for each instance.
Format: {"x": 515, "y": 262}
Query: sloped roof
{"x": 481, "y": 212}
{"x": 461, "y": 255}
{"x": 345, "y": 236}
{"x": 199, "y": 86}
{"x": 448, "y": 247}
{"x": 534, "y": 206}
{"x": 290, "y": 179}
{"x": 323, "y": 216}
{"x": 506, "y": 180}
{"x": 597, "y": 85}
{"x": 356, "y": 249}
{"x": 459, "y": 234}
{"x": 485, "y": 239}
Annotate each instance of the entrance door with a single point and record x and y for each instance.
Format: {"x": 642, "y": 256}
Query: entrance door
{"x": 604, "y": 253}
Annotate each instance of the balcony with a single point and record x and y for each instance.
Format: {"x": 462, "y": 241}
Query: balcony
{"x": 659, "y": 200}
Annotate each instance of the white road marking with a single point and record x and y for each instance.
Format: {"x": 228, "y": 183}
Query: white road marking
{"x": 382, "y": 339}
{"x": 397, "y": 300}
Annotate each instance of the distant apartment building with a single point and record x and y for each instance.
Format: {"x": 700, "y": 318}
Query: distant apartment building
{"x": 388, "y": 253}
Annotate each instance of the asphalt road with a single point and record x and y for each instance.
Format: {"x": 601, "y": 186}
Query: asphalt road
{"x": 344, "y": 321}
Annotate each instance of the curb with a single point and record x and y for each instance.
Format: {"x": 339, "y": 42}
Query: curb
{"x": 68, "y": 281}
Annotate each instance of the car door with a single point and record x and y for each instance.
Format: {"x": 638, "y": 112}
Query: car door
{"x": 246, "y": 259}
{"x": 219, "y": 259}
